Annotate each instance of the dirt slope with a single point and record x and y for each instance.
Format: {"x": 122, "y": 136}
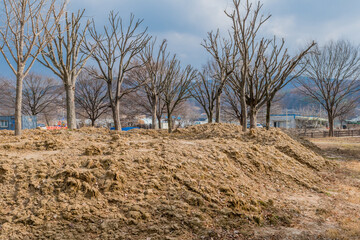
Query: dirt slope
{"x": 203, "y": 182}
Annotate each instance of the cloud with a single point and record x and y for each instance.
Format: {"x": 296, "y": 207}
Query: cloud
{"x": 186, "y": 46}
{"x": 185, "y": 22}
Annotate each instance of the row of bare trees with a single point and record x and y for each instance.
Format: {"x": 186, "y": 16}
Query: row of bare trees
{"x": 41, "y": 96}
{"x": 331, "y": 79}
{"x": 251, "y": 70}
{"x": 34, "y": 31}
{"x": 246, "y": 71}
{"x": 27, "y": 26}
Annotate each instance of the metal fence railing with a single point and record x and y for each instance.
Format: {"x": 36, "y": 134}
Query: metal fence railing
{"x": 337, "y": 133}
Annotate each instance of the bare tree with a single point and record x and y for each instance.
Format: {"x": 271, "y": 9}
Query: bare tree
{"x": 27, "y": 26}
{"x": 40, "y": 94}
{"x": 143, "y": 106}
{"x": 177, "y": 87}
{"x": 279, "y": 69}
{"x": 245, "y": 27}
{"x": 64, "y": 57}
{"x": 91, "y": 97}
{"x": 155, "y": 63}
{"x": 266, "y": 65}
{"x": 114, "y": 55}
{"x": 232, "y": 100}
{"x": 205, "y": 91}
{"x": 7, "y": 96}
{"x": 224, "y": 54}
{"x": 332, "y": 78}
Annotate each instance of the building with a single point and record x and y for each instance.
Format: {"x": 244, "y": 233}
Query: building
{"x": 296, "y": 121}
{"x": 8, "y": 122}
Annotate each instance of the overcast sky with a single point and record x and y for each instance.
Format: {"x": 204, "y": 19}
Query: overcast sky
{"x": 184, "y": 23}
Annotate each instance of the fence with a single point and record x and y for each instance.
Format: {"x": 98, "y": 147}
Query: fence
{"x": 337, "y": 133}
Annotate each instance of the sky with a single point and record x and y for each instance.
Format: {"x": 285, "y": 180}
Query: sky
{"x": 185, "y": 23}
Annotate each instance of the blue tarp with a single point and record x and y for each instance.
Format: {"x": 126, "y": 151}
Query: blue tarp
{"x": 126, "y": 128}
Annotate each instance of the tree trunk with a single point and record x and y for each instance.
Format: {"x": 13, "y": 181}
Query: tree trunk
{"x": 18, "y": 105}
{"x": 70, "y": 106}
{"x": 218, "y": 109}
{"x": 170, "y": 123}
{"x": 331, "y": 126}
{"x": 93, "y": 122}
{"x": 268, "y": 112}
{"x": 253, "y": 112}
{"x": 154, "y": 111}
{"x": 239, "y": 118}
{"x": 116, "y": 115}
{"x": 159, "y": 122}
{"x": 243, "y": 110}
{"x": 47, "y": 120}
{"x": 210, "y": 117}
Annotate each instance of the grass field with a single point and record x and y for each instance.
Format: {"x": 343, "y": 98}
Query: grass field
{"x": 346, "y": 189}
{"x": 347, "y": 148}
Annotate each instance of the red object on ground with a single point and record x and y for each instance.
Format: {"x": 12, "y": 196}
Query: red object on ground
{"x": 55, "y": 127}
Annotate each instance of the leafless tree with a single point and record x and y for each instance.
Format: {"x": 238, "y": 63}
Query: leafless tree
{"x": 224, "y": 53}
{"x": 232, "y": 100}
{"x": 64, "y": 57}
{"x": 332, "y": 78}
{"x": 245, "y": 27}
{"x": 177, "y": 87}
{"x": 115, "y": 54}
{"x": 161, "y": 110}
{"x": 155, "y": 63}
{"x": 205, "y": 90}
{"x": 279, "y": 69}
{"x": 266, "y": 66}
{"x": 142, "y": 105}
{"x": 91, "y": 97}
{"x": 7, "y": 96}
{"x": 27, "y": 26}
{"x": 40, "y": 94}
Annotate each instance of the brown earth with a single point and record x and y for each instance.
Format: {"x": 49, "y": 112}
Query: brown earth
{"x": 203, "y": 182}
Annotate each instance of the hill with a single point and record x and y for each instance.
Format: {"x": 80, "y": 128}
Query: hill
{"x": 204, "y": 182}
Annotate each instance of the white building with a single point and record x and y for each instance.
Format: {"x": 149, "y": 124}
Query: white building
{"x": 296, "y": 121}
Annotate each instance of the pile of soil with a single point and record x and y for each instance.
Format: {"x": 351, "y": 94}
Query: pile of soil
{"x": 204, "y": 182}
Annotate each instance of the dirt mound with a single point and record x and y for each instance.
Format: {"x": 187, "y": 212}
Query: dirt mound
{"x": 204, "y": 182}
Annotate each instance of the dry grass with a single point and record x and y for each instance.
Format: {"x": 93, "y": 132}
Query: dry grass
{"x": 343, "y": 147}
{"x": 345, "y": 187}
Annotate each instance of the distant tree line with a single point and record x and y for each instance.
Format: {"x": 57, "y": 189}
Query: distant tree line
{"x": 132, "y": 70}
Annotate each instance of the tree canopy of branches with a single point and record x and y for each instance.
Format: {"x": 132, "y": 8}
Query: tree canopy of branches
{"x": 279, "y": 70}
{"x": 266, "y": 67}
{"x": 7, "y": 91}
{"x": 232, "y": 100}
{"x": 245, "y": 26}
{"x": 91, "y": 97}
{"x": 64, "y": 57}
{"x": 224, "y": 54}
{"x": 28, "y": 26}
{"x": 332, "y": 78}
{"x": 177, "y": 87}
{"x": 205, "y": 90}
{"x": 153, "y": 75}
{"x": 40, "y": 94}
{"x": 114, "y": 54}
